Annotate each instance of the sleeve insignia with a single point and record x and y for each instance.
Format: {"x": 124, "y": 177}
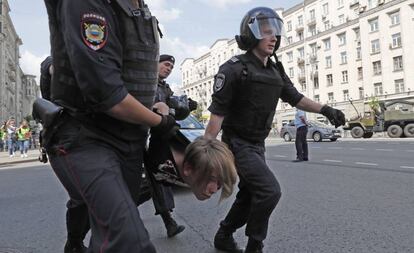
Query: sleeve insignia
{"x": 219, "y": 82}
{"x": 94, "y": 31}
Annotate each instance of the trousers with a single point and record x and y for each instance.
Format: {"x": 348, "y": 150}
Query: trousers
{"x": 301, "y": 143}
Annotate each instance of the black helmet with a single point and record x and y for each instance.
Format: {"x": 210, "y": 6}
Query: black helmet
{"x": 253, "y": 24}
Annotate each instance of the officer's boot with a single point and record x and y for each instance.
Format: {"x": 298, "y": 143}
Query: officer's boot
{"x": 224, "y": 240}
{"x": 254, "y": 246}
{"x": 171, "y": 225}
{"x": 74, "y": 247}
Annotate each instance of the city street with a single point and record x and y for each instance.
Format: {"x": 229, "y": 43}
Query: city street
{"x": 352, "y": 196}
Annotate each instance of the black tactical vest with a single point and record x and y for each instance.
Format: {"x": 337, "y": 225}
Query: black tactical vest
{"x": 138, "y": 32}
{"x": 164, "y": 92}
{"x": 254, "y": 102}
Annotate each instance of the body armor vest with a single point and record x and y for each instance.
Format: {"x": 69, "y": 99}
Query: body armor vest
{"x": 164, "y": 92}
{"x": 254, "y": 102}
{"x": 138, "y": 31}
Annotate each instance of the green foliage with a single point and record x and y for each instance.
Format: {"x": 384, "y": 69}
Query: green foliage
{"x": 373, "y": 103}
{"x": 198, "y": 113}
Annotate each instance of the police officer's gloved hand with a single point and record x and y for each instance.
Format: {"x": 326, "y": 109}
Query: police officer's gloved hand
{"x": 166, "y": 129}
{"x": 192, "y": 105}
{"x": 335, "y": 116}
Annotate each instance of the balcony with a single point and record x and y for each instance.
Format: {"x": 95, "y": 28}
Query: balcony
{"x": 301, "y": 61}
{"x": 299, "y": 28}
{"x": 354, "y": 3}
{"x": 301, "y": 77}
{"x": 311, "y": 22}
{"x": 314, "y": 74}
{"x": 313, "y": 58}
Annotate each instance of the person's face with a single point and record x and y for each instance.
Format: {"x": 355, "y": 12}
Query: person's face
{"x": 206, "y": 188}
{"x": 164, "y": 69}
{"x": 266, "y": 46}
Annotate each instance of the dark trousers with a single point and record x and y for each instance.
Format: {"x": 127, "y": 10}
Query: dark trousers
{"x": 301, "y": 143}
{"x": 259, "y": 190}
{"x": 106, "y": 182}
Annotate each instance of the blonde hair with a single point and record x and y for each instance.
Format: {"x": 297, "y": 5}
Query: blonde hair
{"x": 210, "y": 155}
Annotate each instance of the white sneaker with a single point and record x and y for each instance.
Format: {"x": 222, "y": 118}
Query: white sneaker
{"x": 11, "y": 156}
{"x": 25, "y": 155}
{"x": 21, "y": 156}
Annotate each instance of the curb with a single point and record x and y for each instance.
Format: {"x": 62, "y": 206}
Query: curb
{"x": 19, "y": 161}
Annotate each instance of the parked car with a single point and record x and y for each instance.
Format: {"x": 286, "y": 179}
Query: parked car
{"x": 316, "y": 130}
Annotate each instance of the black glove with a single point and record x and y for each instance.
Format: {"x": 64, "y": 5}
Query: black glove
{"x": 192, "y": 105}
{"x": 335, "y": 116}
{"x": 166, "y": 129}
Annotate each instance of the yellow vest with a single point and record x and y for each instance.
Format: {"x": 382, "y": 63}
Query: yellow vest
{"x": 23, "y": 134}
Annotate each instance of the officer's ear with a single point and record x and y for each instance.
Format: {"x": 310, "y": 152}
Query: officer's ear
{"x": 187, "y": 169}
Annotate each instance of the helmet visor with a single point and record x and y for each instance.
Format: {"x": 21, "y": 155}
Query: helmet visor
{"x": 266, "y": 27}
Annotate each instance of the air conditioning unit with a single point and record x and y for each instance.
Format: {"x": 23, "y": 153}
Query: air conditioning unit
{"x": 323, "y": 17}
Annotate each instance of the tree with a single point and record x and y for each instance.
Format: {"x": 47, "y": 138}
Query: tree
{"x": 374, "y": 104}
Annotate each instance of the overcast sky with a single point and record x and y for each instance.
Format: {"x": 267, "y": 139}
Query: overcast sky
{"x": 190, "y": 27}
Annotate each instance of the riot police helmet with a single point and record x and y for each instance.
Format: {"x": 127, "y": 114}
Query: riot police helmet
{"x": 257, "y": 24}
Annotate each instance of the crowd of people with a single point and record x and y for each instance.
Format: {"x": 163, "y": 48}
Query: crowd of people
{"x": 16, "y": 139}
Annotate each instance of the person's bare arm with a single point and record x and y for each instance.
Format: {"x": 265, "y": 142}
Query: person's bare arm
{"x": 309, "y": 105}
{"x": 132, "y": 111}
{"x": 214, "y": 126}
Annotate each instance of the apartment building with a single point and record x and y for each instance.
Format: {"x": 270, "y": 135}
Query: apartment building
{"x": 333, "y": 51}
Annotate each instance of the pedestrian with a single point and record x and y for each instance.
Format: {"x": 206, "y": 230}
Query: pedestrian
{"x": 23, "y": 137}
{"x": 11, "y": 136}
{"x": 2, "y": 136}
{"x": 301, "y": 125}
{"x": 105, "y": 56}
{"x": 246, "y": 91}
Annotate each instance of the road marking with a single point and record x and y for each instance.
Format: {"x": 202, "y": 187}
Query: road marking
{"x": 406, "y": 167}
{"x": 410, "y": 150}
{"x": 380, "y": 149}
{"x": 369, "y": 164}
{"x": 316, "y": 147}
{"x": 357, "y": 148}
{"x": 279, "y": 156}
{"x": 333, "y": 161}
{"x": 335, "y": 148}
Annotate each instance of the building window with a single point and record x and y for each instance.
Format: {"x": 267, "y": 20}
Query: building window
{"x": 378, "y": 89}
{"x": 289, "y": 26}
{"x": 344, "y": 76}
{"x": 375, "y": 46}
{"x": 316, "y": 83}
{"x": 291, "y": 72}
{"x": 312, "y": 30}
{"x": 330, "y": 97}
{"x": 300, "y": 20}
{"x": 301, "y": 53}
{"x": 395, "y": 18}
{"x": 361, "y": 93}
{"x": 342, "y": 39}
{"x": 377, "y": 67}
{"x": 346, "y": 95}
{"x": 340, "y": 3}
{"x": 303, "y": 86}
{"x": 396, "y": 40}
{"x": 359, "y": 53}
{"x": 300, "y": 36}
{"x": 373, "y": 24}
{"x": 341, "y": 19}
{"x": 312, "y": 14}
{"x": 325, "y": 8}
{"x": 328, "y": 61}
{"x": 290, "y": 40}
{"x": 398, "y": 63}
{"x": 329, "y": 80}
{"x": 343, "y": 58}
{"x": 316, "y": 98}
{"x": 360, "y": 73}
{"x": 399, "y": 86}
{"x": 327, "y": 43}
{"x": 327, "y": 25}
{"x": 290, "y": 56}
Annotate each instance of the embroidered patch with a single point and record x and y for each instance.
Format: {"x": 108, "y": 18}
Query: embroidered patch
{"x": 94, "y": 31}
{"x": 219, "y": 83}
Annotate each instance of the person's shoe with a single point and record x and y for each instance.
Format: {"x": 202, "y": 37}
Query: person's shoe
{"x": 11, "y": 156}
{"x": 298, "y": 160}
{"x": 171, "y": 225}
{"x": 254, "y": 246}
{"x": 225, "y": 242}
{"x": 21, "y": 156}
{"x": 305, "y": 159}
{"x": 74, "y": 248}
{"x": 25, "y": 155}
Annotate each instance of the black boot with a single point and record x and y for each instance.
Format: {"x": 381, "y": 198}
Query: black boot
{"x": 223, "y": 240}
{"x": 171, "y": 225}
{"x": 74, "y": 247}
{"x": 254, "y": 246}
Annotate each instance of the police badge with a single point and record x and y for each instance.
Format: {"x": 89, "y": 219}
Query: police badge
{"x": 94, "y": 31}
{"x": 219, "y": 83}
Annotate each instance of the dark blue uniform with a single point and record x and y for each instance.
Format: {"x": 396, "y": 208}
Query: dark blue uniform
{"x": 246, "y": 93}
{"x": 102, "y": 50}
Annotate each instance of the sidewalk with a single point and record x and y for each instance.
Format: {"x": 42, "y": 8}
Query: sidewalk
{"x": 32, "y": 154}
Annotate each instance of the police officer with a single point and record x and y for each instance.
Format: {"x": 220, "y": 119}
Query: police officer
{"x": 162, "y": 195}
{"x": 105, "y": 57}
{"x": 301, "y": 144}
{"x": 246, "y": 91}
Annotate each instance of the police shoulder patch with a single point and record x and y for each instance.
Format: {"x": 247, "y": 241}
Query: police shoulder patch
{"x": 94, "y": 31}
{"x": 234, "y": 59}
{"x": 219, "y": 82}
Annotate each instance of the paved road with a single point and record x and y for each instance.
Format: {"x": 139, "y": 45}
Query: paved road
{"x": 353, "y": 196}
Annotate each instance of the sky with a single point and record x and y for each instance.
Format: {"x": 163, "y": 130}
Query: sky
{"x": 190, "y": 27}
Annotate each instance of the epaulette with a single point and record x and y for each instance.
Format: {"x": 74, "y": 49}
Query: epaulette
{"x": 234, "y": 59}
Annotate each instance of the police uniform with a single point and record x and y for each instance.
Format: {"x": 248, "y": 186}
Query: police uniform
{"x": 102, "y": 50}
{"x": 246, "y": 93}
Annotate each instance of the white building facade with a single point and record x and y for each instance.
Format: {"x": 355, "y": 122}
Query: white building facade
{"x": 335, "y": 50}
{"x": 17, "y": 90}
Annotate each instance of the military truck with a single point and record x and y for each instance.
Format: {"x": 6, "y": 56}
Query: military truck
{"x": 396, "y": 118}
